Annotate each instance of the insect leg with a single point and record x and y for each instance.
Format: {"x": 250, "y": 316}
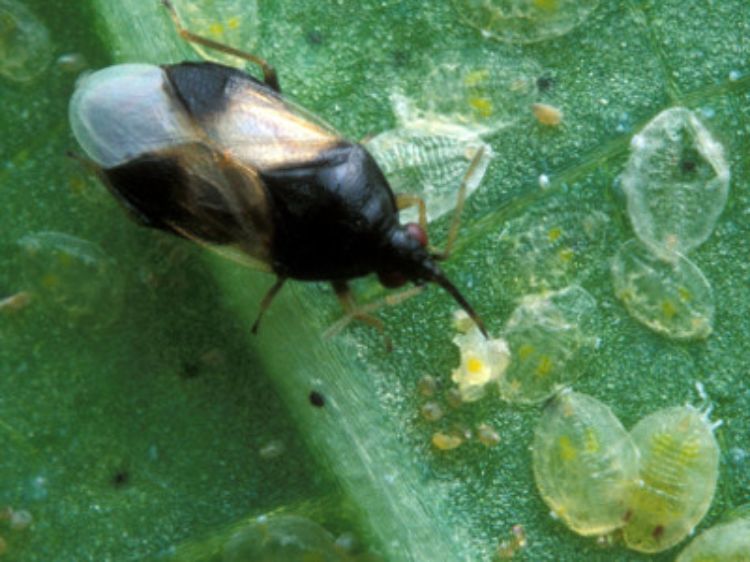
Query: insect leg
{"x": 406, "y": 200}
{"x": 269, "y": 73}
{"x": 356, "y": 312}
{"x": 456, "y": 223}
{"x": 351, "y": 309}
{"x": 266, "y": 302}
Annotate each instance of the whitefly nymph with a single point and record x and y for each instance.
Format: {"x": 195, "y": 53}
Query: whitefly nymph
{"x": 678, "y": 473}
{"x": 585, "y": 463}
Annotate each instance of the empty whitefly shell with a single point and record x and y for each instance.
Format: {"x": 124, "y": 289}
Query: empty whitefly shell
{"x": 727, "y": 542}
{"x": 483, "y": 362}
{"x": 671, "y": 297}
{"x": 225, "y": 21}
{"x": 431, "y": 162}
{"x": 549, "y": 249}
{"x": 72, "y": 277}
{"x": 524, "y": 21}
{"x": 548, "y": 335}
{"x": 283, "y": 538}
{"x": 484, "y": 97}
{"x": 678, "y": 473}
{"x": 25, "y": 47}
{"x": 676, "y": 182}
{"x": 585, "y": 463}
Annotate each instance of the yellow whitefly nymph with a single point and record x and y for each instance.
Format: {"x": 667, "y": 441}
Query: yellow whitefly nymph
{"x": 727, "y": 542}
{"x": 585, "y": 463}
{"x": 679, "y": 469}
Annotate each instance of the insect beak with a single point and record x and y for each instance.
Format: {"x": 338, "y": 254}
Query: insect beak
{"x": 436, "y": 275}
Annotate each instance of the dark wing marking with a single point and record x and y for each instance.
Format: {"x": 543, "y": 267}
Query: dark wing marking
{"x": 199, "y": 193}
{"x": 247, "y": 119}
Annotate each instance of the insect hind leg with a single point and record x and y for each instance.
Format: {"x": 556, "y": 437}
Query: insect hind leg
{"x": 269, "y": 73}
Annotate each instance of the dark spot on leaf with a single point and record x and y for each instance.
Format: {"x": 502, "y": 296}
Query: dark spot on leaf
{"x": 317, "y": 399}
{"x": 544, "y": 83}
{"x": 190, "y": 370}
{"x": 314, "y": 37}
{"x": 688, "y": 166}
{"x": 401, "y": 58}
{"x": 120, "y": 478}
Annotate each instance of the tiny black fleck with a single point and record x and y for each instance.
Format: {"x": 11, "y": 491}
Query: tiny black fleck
{"x": 190, "y": 370}
{"x": 544, "y": 83}
{"x": 120, "y": 478}
{"x": 688, "y": 166}
{"x": 317, "y": 399}
{"x": 401, "y": 58}
{"x": 314, "y": 37}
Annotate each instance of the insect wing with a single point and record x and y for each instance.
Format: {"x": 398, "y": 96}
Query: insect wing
{"x": 267, "y": 132}
{"x": 249, "y": 120}
{"x": 125, "y": 111}
{"x": 200, "y": 193}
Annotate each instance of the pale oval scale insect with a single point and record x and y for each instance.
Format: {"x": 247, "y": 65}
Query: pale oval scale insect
{"x": 524, "y": 21}
{"x": 671, "y": 297}
{"x": 25, "y": 46}
{"x": 73, "y": 278}
{"x": 548, "y": 335}
{"x": 676, "y": 182}
{"x": 585, "y": 463}
{"x": 679, "y": 470}
{"x": 727, "y": 542}
{"x": 283, "y": 538}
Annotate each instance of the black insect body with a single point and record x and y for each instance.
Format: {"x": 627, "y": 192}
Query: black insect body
{"x": 209, "y": 153}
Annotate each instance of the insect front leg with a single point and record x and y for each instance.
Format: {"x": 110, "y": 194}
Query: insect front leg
{"x": 269, "y": 73}
{"x": 353, "y": 311}
{"x": 461, "y": 199}
{"x": 266, "y": 302}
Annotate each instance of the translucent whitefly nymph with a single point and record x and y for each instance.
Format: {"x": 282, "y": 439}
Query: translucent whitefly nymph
{"x": 25, "y": 47}
{"x": 73, "y": 277}
{"x": 547, "y": 334}
{"x": 284, "y": 538}
{"x": 523, "y": 21}
{"x": 585, "y": 463}
{"x": 671, "y": 297}
{"x": 676, "y": 182}
{"x": 728, "y": 542}
{"x": 679, "y": 469}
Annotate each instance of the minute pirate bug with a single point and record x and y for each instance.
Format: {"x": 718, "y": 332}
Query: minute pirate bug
{"x": 209, "y": 153}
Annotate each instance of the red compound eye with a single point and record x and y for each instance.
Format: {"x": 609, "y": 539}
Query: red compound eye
{"x": 417, "y": 232}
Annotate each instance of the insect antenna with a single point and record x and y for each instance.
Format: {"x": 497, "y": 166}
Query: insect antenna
{"x": 438, "y": 277}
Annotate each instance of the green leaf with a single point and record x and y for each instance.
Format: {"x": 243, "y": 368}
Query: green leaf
{"x": 132, "y": 425}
